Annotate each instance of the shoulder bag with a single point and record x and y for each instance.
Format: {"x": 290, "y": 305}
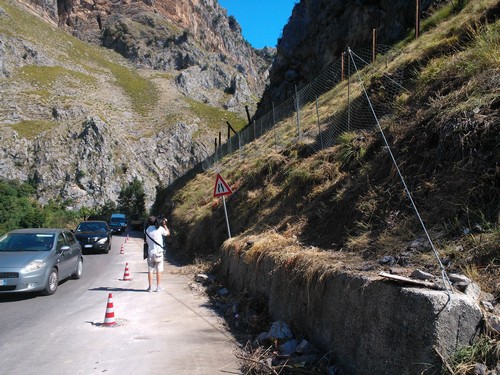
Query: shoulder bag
{"x": 156, "y": 257}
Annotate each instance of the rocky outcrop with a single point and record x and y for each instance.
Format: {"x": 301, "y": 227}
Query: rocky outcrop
{"x": 89, "y": 165}
{"x": 318, "y": 31}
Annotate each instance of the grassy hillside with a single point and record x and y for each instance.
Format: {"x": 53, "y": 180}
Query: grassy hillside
{"x": 66, "y": 62}
{"x": 348, "y": 199}
{"x": 345, "y": 208}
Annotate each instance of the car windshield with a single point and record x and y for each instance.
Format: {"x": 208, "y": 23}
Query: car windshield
{"x": 91, "y": 227}
{"x": 27, "y": 242}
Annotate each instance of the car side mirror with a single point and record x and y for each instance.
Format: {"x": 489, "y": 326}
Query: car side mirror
{"x": 64, "y": 248}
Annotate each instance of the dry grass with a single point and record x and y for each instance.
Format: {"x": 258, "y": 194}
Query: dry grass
{"x": 345, "y": 207}
{"x": 485, "y": 351}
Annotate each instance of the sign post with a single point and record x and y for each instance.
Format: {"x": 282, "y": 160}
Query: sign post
{"x": 227, "y": 220}
{"x": 221, "y": 189}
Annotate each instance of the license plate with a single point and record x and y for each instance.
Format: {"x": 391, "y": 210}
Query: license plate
{"x": 3, "y": 282}
{"x": 88, "y": 246}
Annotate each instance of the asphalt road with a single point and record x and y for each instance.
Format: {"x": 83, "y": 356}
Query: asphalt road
{"x": 170, "y": 332}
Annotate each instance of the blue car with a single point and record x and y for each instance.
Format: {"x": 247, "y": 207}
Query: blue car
{"x": 118, "y": 223}
{"x": 37, "y": 259}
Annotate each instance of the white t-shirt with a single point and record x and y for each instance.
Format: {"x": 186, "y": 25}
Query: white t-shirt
{"x": 156, "y": 234}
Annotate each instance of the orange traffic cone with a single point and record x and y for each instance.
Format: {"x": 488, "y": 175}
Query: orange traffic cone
{"x": 126, "y": 275}
{"x": 122, "y": 251}
{"x": 109, "y": 318}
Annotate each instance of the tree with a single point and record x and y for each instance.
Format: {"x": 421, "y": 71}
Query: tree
{"x": 17, "y": 206}
{"x": 86, "y": 213}
{"x": 131, "y": 200}
{"x": 33, "y": 217}
{"x": 105, "y": 211}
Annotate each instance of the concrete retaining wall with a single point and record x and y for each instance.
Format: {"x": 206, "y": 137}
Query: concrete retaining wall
{"x": 370, "y": 326}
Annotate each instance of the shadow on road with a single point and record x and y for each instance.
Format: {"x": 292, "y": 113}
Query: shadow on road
{"x": 115, "y": 289}
{"x": 14, "y": 297}
{"x": 21, "y": 296}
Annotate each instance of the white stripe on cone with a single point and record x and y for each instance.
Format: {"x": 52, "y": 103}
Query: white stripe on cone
{"x": 126, "y": 275}
{"x": 109, "y": 318}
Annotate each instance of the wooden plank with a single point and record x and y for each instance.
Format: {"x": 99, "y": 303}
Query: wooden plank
{"x": 407, "y": 280}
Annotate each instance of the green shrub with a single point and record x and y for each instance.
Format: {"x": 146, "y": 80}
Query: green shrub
{"x": 19, "y": 209}
{"x": 352, "y": 148}
{"x": 131, "y": 200}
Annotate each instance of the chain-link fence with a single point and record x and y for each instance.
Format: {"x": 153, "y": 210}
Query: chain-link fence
{"x": 320, "y": 111}
{"x": 352, "y": 95}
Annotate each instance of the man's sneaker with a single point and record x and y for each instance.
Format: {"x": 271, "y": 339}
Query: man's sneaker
{"x": 159, "y": 289}
{"x": 149, "y": 290}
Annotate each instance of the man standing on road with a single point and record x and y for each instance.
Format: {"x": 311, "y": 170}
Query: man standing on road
{"x": 156, "y": 230}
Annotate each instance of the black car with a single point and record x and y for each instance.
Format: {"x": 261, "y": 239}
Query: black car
{"x": 94, "y": 236}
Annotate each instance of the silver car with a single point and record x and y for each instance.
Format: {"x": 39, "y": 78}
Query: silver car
{"x": 37, "y": 259}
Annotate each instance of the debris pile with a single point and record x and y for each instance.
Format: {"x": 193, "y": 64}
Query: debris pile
{"x": 278, "y": 351}
{"x": 425, "y": 279}
{"x": 244, "y": 314}
{"x": 275, "y": 351}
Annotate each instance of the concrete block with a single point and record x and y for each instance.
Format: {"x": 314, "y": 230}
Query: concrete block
{"x": 369, "y": 325}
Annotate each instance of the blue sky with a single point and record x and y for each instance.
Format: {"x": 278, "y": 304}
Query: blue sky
{"x": 262, "y": 21}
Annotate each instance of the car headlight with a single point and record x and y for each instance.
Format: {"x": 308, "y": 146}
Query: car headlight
{"x": 102, "y": 241}
{"x": 34, "y": 266}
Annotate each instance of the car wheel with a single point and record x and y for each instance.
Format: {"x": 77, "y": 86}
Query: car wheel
{"x": 79, "y": 270}
{"x": 52, "y": 283}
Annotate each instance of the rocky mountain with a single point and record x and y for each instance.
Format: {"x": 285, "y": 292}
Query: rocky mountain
{"x": 193, "y": 37}
{"x": 97, "y": 93}
{"x": 318, "y": 31}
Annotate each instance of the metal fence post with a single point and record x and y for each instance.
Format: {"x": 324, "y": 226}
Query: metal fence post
{"x": 417, "y": 19}
{"x": 342, "y": 67}
{"x": 239, "y": 144}
{"x": 349, "y": 90}
{"x": 297, "y": 107}
{"x": 215, "y": 151}
{"x": 274, "y": 129}
{"x": 319, "y": 125}
{"x": 248, "y": 114}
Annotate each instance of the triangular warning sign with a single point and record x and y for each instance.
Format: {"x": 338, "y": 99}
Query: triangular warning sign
{"x": 221, "y": 188}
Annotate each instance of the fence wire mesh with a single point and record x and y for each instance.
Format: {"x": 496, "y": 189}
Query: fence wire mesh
{"x": 321, "y": 111}
{"x": 352, "y": 95}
